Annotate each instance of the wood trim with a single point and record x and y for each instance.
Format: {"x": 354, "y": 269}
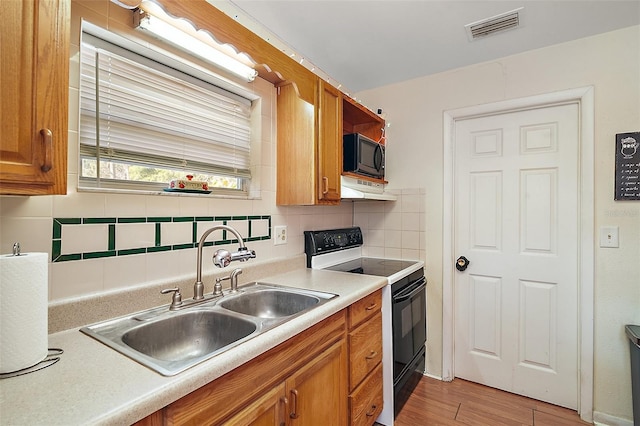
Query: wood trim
{"x": 272, "y": 63}
{"x": 362, "y": 177}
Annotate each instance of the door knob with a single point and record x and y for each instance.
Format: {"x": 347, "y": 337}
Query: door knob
{"x": 462, "y": 263}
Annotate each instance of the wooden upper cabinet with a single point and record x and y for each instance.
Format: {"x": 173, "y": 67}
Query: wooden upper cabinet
{"x": 296, "y": 157}
{"x": 329, "y": 113}
{"x": 309, "y": 152}
{"x": 34, "y": 87}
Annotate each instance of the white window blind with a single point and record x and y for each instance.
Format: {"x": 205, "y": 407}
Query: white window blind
{"x": 136, "y": 111}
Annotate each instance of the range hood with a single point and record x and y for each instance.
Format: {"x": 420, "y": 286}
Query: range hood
{"x": 360, "y": 189}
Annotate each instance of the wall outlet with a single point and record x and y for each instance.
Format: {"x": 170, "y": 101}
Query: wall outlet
{"x": 280, "y": 235}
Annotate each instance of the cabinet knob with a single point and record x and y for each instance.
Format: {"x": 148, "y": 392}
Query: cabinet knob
{"x": 47, "y": 145}
{"x": 372, "y": 411}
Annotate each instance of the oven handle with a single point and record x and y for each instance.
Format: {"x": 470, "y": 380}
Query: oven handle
{"x": 421, "y": 285}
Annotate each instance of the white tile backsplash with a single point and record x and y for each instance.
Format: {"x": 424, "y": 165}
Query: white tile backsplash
{"x": 392, "y": 239}
{"x": 376, "y": 220}
{"x": 72, "y": 279}
{"x": 33, "y": 234}
{"x": 410, "y": 240}
{"x": 394, "y": 229}
{"x": 242, "y": 226}
{"x": 393, "y": 221}
{"x": 125, "y": 205}
{"x": 260, "y": 227}
{"x": 135, "y": 235}
{"x": 410, "y": 221}
{"x": 85, "y": 238}
{"x": 80, "y": 204}
{"x": 124, "y": 271}
{"x": 176, "y": 233}
{"x": 21, "y": 207}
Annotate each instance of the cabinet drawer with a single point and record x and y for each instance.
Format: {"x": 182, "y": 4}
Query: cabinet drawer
{"x": 365, "y": 403}
{"x": 365, "y": 349}
{"x": 364, "y": 308}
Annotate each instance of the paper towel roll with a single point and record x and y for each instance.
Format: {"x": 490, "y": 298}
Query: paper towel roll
{"x": 23, "y": 310}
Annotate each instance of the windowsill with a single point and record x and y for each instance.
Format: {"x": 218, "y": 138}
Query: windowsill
{"x": 242, "y": 196}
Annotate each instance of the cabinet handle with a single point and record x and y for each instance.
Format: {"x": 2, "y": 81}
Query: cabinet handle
{"x": 372, "y": 355}
{"x": 325, "y": 184}
{"x": 284, "y": 401}
{"x": 373, "y": 410}
{"x": 47, "y": 142}
{"x": 371, "y": 306}
{"x": 294, "y": 404}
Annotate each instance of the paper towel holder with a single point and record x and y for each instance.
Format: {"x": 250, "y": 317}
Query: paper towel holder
{"x": 51, "y": 358}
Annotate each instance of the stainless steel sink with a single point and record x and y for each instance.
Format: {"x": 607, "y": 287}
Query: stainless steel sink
{"x": 187, "y": 335}
{"x": 169, "y": 342}
{"x": 270, "y": 303}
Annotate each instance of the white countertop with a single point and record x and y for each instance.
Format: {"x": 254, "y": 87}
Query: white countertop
{"x": 94, "y": 384}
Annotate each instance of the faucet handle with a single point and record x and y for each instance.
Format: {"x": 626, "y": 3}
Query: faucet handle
{"x": 217, "y": 289}
{"x": 176, "y": 299}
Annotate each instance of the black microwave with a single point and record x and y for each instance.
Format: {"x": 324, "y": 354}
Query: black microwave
{"x": 363, "y": 156}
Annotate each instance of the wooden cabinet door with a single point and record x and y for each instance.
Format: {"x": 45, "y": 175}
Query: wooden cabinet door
{"x": 296, "y": 159}
{"x": 329, "y": 142}
{"x": 268, "y": 410}
{"x": 317, "y": 393}
{"x": 34, "y": 90}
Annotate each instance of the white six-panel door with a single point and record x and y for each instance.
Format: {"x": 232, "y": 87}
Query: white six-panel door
{"x": 516, "y": 207}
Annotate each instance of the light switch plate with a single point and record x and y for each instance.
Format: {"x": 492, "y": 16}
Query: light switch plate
{"x": 609, "y": 236}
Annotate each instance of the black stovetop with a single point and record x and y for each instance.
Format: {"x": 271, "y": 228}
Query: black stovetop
{"x": 373, "y": 266}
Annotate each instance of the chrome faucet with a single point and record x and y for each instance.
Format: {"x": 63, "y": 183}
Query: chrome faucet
{"x": 221, "y": 258}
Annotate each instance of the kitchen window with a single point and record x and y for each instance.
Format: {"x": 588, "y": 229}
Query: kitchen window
{"x": 146, "y": 120}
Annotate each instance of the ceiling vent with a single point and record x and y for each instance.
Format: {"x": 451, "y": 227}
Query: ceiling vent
{"x": 485, "y": 27}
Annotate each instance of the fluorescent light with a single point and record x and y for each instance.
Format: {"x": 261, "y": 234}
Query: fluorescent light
{"x": 164, "y": 30}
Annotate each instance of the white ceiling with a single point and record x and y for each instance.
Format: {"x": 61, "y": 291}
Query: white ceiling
{"x": 363, "y": 44}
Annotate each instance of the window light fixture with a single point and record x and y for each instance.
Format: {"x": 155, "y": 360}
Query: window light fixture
{"x": 183, "y": 35}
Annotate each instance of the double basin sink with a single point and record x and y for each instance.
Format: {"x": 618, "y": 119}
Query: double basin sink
{"x": 169, "y": 342}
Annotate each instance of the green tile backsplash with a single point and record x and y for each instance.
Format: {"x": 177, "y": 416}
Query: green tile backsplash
{"x": 258, "y": 228}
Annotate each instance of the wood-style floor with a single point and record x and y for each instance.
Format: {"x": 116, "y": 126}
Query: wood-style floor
{"x": 460, "y": 402}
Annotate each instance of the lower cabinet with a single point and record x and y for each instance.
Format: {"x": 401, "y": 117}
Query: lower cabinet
{"x": 311, "y": 396}
{"x": 365, "y": 360}
{"x": 268, "y": 410}
{"x": 317, "y": 393}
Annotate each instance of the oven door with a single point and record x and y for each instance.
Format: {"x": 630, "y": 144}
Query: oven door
{"x": 409, "y": 325}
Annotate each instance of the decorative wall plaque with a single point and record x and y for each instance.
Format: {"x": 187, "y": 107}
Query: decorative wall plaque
{"x": 627, "y": 166}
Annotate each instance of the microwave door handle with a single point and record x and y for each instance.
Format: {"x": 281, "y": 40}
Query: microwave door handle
{"x": 378, "y": 158}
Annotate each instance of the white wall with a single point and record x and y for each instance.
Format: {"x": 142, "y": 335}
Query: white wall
{"x": 611, "y": 63}
{"x": 29, "y": 220}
